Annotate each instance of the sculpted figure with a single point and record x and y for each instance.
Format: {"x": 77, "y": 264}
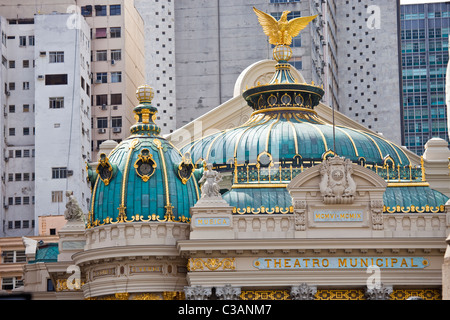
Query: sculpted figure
{"x": 73, "y": 211}
{"x": 210, "y": 180}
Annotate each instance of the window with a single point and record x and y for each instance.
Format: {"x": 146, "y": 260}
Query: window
{"x": 12, "y": 108}
{"x": 56, "y": 56}
{"x": 31, "y": 40}
{"x": 115, "y": 32}
{"x": 116, "y": 77}
{"x": 102, "y": 55}
{"x": 12, "y": 86}
{"x": 56, "y": 103}
{"x": 57, "y": 196}
{"x": 86, "y": 11}
{"x": 11, "y": 283}
{"x": 116, "y": 98}
{"x": 116, "y": 55}
{"x": 17, "y": 201}
{"x": 18, "y": 153}
{"x": 26, "y": 131}
{"x": 116, "y": 122}
{"x": 55, "y": 79}
{"x": 12, "y": 132}
{"x": 26, "y": 108}
{"x": 102, "y": 77}
{"x": 100, "y": 10}
{"x": 102, "y": 123}
{"x": 26, "y": 85}
{"x": 26, "y": 201}
{"x": 102, "y": 99}
{"x": 59, "y": 173}
{"x": 22, "y": 41}
{"x": 18, "y": 177}
{"x": 26, "y": 177}
{"x": 115, "y": 10}
{"x": 13, "y": 256}
{"x": 100, "y": 33}
{"x": 26, "y": 63}
{"x": 12, "y": 64}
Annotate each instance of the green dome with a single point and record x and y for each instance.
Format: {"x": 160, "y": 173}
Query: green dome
{"x": 289, "y": 134}
{"x": 145, "y": 178}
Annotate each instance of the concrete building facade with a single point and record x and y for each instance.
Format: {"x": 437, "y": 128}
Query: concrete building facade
{"x": 424, "y": 42}
{"x": 46, "y": 109}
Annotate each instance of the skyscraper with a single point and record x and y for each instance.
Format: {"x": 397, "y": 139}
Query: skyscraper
{"x": 424, "y": 36}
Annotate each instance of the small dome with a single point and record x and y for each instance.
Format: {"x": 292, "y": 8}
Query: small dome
{"x": 144, "y": 178}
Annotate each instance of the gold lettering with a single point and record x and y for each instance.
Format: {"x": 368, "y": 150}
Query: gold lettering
{"x": 378, "y": 265}
{"x": 286, "y": 263}
{"x": 327, "y": 263}
{"x": 315, "y": 262}
{"x": 412, "y": 263}
{"x": 342, "y": 262}
{"x": 403, "y": 263}
{"x": 306, "y": 262}
{"x": 297, "y": 263}
{"x": 275, "y": 263}
{"x": 268, "y": 262}
{"x": 364, "y": 262}
{"x": 356, "y": 262}
{"x": 393, "y": 261}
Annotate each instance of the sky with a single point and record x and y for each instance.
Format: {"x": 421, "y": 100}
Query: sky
{"x": 420, "y": 1}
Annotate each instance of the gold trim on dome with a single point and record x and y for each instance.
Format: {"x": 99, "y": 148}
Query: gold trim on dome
{"x": 145, "y": 157}
{"x": 106, "y": 166}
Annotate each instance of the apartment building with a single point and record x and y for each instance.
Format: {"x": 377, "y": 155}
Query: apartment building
{"x": 46, "y": 119}
{"x": 118, "y": 66}
{"x": 69, "y": 70}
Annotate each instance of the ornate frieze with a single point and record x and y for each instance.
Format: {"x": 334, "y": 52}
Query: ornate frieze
{"x": 212, "y": 264}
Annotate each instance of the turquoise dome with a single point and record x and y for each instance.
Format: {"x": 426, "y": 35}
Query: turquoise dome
{"x": 145, "y": 178}
{"x": 285, "y": 128}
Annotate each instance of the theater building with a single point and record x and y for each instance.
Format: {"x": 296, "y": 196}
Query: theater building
{"x": 292, "y": 201}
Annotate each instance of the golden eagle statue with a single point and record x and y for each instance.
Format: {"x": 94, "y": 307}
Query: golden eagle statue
{"x": 282, "y": 31}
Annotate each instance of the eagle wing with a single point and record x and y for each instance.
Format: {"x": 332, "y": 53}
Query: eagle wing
{"x": 269, "y": 24}
{"x": 298, "y": 24}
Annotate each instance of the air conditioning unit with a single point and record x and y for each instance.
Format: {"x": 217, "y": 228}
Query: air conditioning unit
{"x": 43, "y": 53}
{"x": 104, "y": 107}
{"x": 70, "y": 173}
{"x": 8, "y": 93}
{"x": 113, "y": 62}
{"x": 117, "y": 130}
{"x": 40, "y": 77}
{"x": 5, "y": 206}
{"x": 102, "y": 130}
{"x": 115, "y": 108}
{"x": 98, "y": 81}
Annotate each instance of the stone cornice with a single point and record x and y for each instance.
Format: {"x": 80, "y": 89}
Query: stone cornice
{"x": 250, "y": 246}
